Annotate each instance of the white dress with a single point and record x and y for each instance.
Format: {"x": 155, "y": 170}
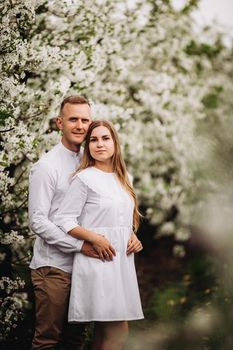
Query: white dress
{"x": 101, "y": 291}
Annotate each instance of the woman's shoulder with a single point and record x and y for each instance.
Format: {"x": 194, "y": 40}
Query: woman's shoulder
{"x": 87, "y": 175}
{"x": 85, "y": 172}
{"x": 81, "y": 174}
{"x": 94, "y": 179}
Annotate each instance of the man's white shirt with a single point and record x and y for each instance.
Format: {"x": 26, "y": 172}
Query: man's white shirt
{"x": 48, "y": 182}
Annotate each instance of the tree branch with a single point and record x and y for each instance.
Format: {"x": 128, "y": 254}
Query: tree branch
{"x": 7, "y": 130}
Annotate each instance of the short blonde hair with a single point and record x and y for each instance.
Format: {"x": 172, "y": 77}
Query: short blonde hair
{"x": 76, "y": 99}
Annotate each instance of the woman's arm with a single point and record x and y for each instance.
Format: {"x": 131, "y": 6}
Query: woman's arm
{"x": 68, "y": 214}
{"x": 99, "y": 242}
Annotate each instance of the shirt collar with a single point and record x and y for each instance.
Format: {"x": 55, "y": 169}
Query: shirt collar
{"x": 71, "y": 153}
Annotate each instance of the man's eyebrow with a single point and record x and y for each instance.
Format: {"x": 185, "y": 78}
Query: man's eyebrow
{"x": 83, "y": 117}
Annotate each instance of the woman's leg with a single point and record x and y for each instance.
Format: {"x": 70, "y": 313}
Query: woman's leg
{"x": 114, "y": 335}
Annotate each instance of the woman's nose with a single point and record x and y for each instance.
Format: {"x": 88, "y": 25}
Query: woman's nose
{"x": 99, "y": 143}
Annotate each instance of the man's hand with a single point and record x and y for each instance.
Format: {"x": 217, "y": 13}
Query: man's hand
{"x": 88, "y": 250}
{"x": 134, "y": 245}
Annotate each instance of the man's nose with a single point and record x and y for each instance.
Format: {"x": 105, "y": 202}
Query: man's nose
{"x": 79, "y": 124}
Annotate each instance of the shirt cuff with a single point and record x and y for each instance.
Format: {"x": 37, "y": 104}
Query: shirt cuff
{"x": 69, "y": 225}
{"x": 75, "y": 242}
{"x": 79, "y": 245}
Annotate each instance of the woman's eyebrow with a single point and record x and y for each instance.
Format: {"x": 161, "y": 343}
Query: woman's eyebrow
{"x": 95, "y": 137}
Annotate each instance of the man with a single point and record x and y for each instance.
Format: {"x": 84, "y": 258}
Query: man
{"x": 53, "y": 250}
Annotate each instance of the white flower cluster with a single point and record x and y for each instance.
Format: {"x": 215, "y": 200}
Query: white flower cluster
{"x": 9, "y": 286}
{"x": 12, "y": 306}
{"x": 12, "y": 237}
{"x": 5, "y": 183}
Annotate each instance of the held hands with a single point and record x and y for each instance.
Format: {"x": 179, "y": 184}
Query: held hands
{"x": 88, "y": 250}
{"x": 103, "y": 248}
{"x": 100, "y": 247}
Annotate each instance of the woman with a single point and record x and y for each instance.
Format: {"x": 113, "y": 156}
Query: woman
{"x": 100, "y": 207}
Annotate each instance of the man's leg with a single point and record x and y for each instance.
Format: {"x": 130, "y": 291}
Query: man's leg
{"x": 52, "y": 289}
{"x": 98, "y": 337}
{"x": 74, "y": 336}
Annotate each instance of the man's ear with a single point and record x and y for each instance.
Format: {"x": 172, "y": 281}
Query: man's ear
{"x": 59, "y": 123}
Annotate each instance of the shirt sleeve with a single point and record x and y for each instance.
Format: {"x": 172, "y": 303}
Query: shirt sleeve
{"x": 71, "y": 208}
{"x": 42, "y": 186}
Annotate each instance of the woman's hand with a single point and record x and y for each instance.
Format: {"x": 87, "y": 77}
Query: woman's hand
{"x": 103, "y": 248}
{"x": 134, "y": 245}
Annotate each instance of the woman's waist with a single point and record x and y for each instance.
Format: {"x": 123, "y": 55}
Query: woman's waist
{"x": 111, "y": 230}
{"x": 118, "y": 236}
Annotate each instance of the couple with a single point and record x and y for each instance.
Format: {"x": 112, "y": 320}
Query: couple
{"x": 83, "y": 222}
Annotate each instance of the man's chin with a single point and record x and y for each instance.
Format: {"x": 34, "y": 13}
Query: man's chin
{"x": 78, "y": 140}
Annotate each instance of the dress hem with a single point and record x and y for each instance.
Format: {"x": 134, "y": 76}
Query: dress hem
{"x": 106, "y": 320}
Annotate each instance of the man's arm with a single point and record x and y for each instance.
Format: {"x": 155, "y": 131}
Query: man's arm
{"x": 41, "y": 192}
{"x": 69, "y": 213}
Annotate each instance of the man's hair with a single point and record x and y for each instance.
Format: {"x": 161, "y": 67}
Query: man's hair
{"x": 74, "y": 100}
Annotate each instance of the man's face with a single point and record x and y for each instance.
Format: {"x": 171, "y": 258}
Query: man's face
{"x": 74, "y": 123}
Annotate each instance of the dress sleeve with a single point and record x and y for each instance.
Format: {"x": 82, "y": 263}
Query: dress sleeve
{"x": 67, "y": 216}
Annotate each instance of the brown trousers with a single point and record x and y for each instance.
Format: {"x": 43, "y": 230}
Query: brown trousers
{"x": 52, "y": 290}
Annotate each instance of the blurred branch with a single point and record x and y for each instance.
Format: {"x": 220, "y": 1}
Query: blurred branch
{"x": 13, "y": 210}
{"x": 7, "y": 130}
{"x": 20, "y": 176}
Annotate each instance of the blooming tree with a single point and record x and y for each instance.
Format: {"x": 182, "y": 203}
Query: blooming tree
{"x": 142, "y": 66}
{"x": 48, "y": 49}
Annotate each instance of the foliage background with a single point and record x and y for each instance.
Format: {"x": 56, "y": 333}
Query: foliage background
{"x": 168, "y": 89}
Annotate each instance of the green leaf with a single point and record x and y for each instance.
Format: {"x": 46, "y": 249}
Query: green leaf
{"x": 4, "y": 115}
{"x": 210, "y": 101}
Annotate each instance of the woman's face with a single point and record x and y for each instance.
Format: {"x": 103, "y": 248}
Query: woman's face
{"x": 101, "y": 144}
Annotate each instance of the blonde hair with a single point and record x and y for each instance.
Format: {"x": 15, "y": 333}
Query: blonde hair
{"x": 118, "y": 164}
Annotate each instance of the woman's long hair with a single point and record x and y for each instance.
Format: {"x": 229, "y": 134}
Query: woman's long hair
{"x": 118, "y": 164}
